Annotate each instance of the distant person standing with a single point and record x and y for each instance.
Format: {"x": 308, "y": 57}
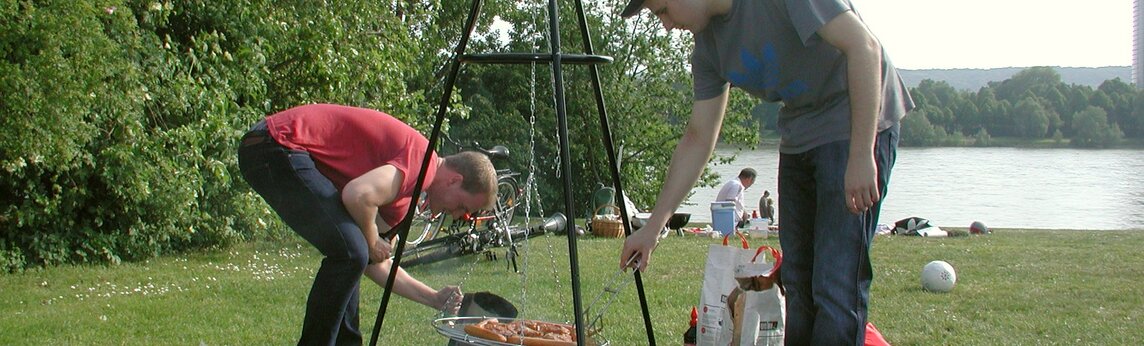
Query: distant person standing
{"x": 732, "y": 191}
{"x": 767, "y": 207}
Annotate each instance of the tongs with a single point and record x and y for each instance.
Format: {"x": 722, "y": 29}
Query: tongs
{"x": 611, "y": 289}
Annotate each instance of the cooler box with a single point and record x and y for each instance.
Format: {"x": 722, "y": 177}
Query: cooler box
{"x": 723, "y": 217}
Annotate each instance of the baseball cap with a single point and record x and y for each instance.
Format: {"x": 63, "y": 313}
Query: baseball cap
{"x": 632, "y": 8}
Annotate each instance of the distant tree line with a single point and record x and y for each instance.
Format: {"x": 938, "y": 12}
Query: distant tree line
{"x": 1033, "y": 106}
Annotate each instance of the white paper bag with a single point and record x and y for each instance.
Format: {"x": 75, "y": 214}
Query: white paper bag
{"x": 761, "y": 319}
{"x": 758, "y": 315}
{"x": 718, "y": 282}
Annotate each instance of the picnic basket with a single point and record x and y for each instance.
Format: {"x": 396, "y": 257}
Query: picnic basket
{"x": 603, "y": 226}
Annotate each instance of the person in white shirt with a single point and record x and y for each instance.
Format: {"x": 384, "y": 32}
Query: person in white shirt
{"x": 732, "y": 191}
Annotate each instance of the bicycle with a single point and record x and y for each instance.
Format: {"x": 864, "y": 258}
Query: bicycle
{"x": 466, "y": 235}
{"x": 426, "y": 225}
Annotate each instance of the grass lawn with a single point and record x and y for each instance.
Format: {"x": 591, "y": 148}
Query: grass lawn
{"x": 1015, "y": 287}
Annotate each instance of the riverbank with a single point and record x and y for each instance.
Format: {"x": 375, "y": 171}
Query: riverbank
{"x": 771, "y": 139}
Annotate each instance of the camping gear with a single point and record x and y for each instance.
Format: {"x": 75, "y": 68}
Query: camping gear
{"x": 605, "y": 218}
{"x": 917, "y": 226}
{"x": 677, "y": 221}
{"x": 608, "y": 225}
{"x": 723, "y": 217}
{"x": 604, "y": 196}
{"x": 741, "y": 300}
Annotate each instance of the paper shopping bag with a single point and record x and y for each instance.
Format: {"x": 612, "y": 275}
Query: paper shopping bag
{"x": 758, "y": 309}
{"x": 716, "y": 325}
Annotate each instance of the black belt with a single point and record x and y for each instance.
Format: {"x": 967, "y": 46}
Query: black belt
{"x": 258, "y": 134}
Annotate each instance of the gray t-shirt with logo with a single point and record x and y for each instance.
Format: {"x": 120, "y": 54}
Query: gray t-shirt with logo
{"x": 771, "y": 49}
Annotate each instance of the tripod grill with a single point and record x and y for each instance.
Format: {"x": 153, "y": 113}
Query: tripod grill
{"x": 556, "y": 59}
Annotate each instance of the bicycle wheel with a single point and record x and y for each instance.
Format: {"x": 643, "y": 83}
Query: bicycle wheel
{"x": 424, "y": 225}
{"x": 507, "y": 193}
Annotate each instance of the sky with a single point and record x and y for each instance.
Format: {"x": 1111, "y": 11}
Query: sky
{"x": 930, "y": 34}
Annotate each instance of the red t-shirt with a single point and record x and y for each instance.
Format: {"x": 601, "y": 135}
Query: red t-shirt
{"x": 346, "y": 142}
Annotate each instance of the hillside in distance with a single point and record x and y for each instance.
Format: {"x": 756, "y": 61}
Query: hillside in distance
{"x": 975, "y": 79}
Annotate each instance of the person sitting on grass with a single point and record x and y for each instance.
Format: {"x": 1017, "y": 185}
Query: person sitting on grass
{"x": 767, "y": 207}
{"x": 341, "y": 177}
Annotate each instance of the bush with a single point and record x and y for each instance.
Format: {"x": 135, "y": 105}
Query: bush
{"x": 121, "y": 118}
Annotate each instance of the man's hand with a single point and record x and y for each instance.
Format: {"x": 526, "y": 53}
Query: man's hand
{"x": 861, "y": 184}
{"x": 380, "y": 250}
{"x": 640, "y": 245}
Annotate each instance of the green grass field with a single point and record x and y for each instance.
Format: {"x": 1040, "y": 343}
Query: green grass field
{"x": 1015, "y": 287}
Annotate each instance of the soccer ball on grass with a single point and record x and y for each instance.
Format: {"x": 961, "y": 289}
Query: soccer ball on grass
{"x": 938, "y": 276}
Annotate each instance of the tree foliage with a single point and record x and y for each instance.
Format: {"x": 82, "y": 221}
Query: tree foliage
{"x": 647, "y": 95}
{"x": 122, "y": 116}
{"x": 1092, "y": 129}
{"x": 1034, "y": 104}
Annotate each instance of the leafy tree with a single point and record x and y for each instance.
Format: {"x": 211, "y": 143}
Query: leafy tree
{"x": 1133, "y": 125}
{"x": 1000, "y": 121}
{"x": 1122, "y": 98}
{"x": 917, "y": 130}
{"x": 941, "y": 99}
{"x": 1030, "y": 118}
{"x": 1035, "y": 79}
{"x": 969, "y": 117}
{"x": 1055, "y": 103}
{"x": 1076, "y": 99}
{"x": 1092, "y": 129}
{"x": 982, "y": 138}
{"x": 1101, "y": 99}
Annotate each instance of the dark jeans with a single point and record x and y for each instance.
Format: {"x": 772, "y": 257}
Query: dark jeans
{"x": 310, "y": 204}
{"x": 826, "y": 249}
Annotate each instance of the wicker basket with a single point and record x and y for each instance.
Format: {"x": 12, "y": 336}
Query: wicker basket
{"x": 604, "y": 227}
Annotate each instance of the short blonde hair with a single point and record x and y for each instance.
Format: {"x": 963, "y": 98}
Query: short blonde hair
{"x": 477, "y": 172}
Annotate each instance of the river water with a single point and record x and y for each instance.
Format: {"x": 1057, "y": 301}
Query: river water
{"x": 1001, "y": 187}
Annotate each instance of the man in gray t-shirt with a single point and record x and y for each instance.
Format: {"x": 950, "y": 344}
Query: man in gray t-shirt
{"x": 842, "y": 102}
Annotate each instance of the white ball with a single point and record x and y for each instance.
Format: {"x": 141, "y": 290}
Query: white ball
{"x": 938, "y": 276}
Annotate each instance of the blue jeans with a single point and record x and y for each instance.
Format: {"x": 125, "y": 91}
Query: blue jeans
{"x": 310, "y": 204}
{"x": 826, "y": 249}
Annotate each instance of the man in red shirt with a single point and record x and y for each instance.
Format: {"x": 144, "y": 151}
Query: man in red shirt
{"x": 342, "y": 177}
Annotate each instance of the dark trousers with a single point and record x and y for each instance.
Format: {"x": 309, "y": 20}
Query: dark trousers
{"x": 826, "y": 249}
{"x": 310, "y": 204}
